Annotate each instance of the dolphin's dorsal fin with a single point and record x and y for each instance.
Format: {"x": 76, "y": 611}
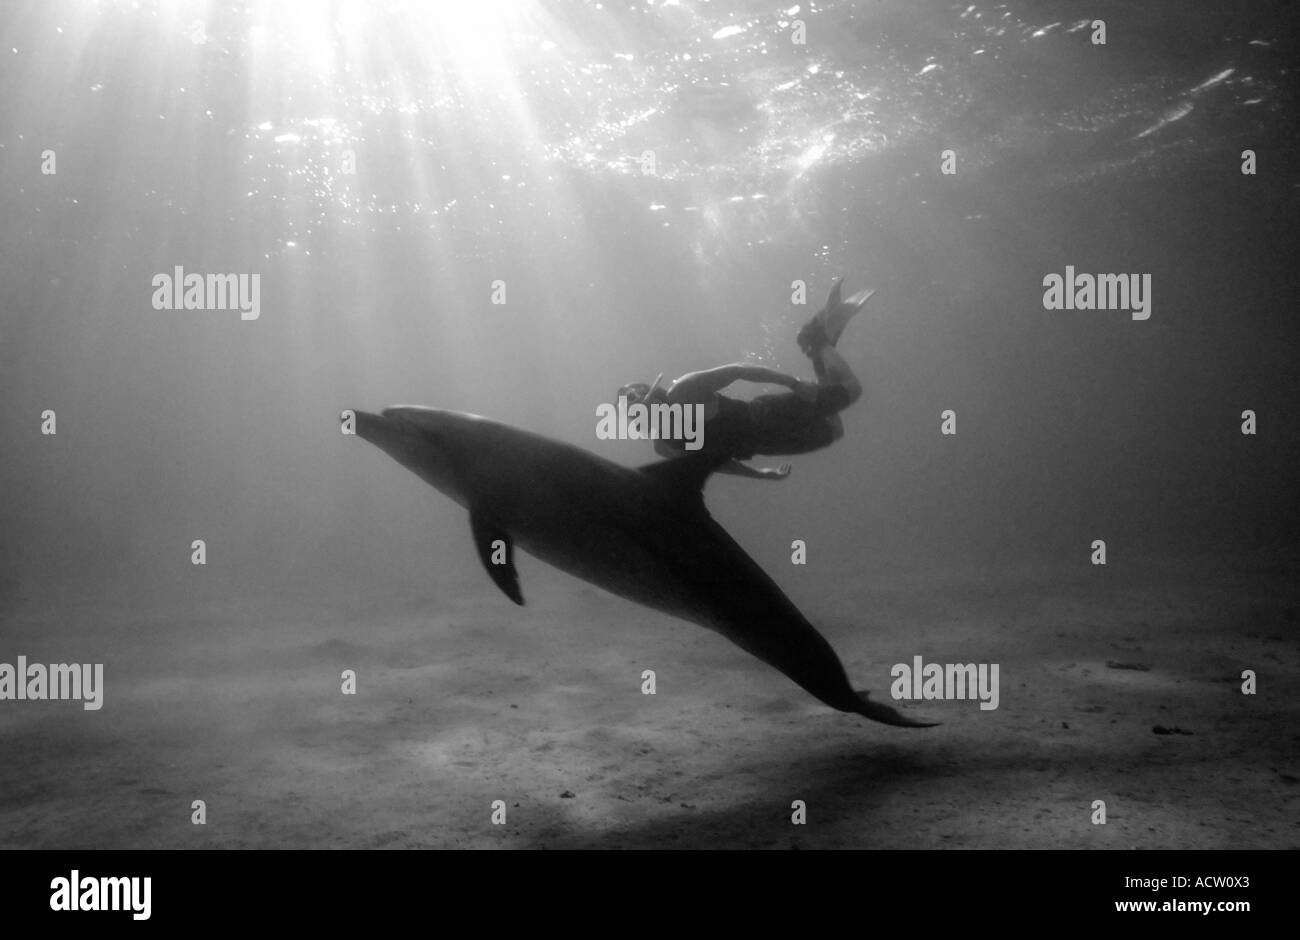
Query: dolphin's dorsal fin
{"x": 684, "y": 475}
{"x": 497, "y": 553}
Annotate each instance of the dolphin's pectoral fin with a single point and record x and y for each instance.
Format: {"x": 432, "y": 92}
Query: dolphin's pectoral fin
{"x": 497, "y": 553}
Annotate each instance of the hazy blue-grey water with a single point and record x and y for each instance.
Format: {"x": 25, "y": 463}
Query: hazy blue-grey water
{"x": 504, "y": 144}
{"x": 507, "y": 152}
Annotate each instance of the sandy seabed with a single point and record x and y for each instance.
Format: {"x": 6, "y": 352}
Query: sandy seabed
{"x": 464, "y": 699}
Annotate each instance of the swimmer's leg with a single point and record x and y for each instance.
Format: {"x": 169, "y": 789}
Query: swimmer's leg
{"x": 832, "y": 370}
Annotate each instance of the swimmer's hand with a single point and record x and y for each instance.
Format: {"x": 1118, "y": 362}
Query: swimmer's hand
{"x": 736, "y": 468}
{"x": 774, "y": 473}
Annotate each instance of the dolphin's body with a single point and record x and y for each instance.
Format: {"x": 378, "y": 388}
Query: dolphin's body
{"x": 643, "y": 534}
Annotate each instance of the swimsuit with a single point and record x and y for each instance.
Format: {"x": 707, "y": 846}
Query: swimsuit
{"x": 787, "y": 424}
{"x": 781, "y": 423}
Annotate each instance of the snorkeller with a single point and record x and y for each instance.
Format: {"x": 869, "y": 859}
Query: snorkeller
{"x": 798, "y": 421}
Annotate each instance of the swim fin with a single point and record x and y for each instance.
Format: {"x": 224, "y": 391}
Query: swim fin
{"x": 835, "y": 316}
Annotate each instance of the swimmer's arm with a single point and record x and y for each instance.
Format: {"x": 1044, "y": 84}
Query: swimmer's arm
{"x": 736, "y": 468}
{"x": 695, "y": 386}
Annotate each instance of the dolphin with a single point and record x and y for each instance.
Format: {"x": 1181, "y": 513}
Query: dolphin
{"x": 641, "y": 533}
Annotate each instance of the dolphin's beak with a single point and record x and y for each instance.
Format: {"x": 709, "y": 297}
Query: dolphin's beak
{"x": 402, "y": 434}
{"x": 395, "y": 415}
{"x": 389, "y": 432}
{"x": 385, "y": 425}
{"x": 371, "y": 427}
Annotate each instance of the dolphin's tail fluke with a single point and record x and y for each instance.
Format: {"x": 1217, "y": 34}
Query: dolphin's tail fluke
{"x": 886, "y": 715}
